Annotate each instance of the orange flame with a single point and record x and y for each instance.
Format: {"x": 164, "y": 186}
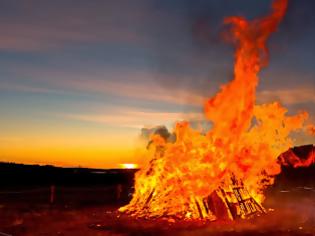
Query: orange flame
{"x": 245, "y": 139}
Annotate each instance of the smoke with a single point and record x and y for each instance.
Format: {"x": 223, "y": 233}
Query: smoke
{"x": 161, "y": 130}
{"x": 311, "y": 130}
{"x": 146, "y": 133}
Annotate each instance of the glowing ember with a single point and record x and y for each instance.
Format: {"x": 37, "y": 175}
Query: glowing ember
{"x": 291, "y": 159}
{"x": 197, "y": 175}
{"x": 128, "y": 166}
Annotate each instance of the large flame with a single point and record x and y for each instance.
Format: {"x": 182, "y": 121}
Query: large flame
{"x": 244, "y": 141}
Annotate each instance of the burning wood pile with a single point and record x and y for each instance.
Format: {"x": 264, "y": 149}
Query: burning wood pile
{"x": 221, "y": 174}
{"x": 230, "y": 201}
{"x": 233, "y": 201}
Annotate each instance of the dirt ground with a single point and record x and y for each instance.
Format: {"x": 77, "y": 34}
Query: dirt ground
{"x": 293, "y": 214}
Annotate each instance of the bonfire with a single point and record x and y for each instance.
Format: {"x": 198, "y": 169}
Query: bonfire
{"x": 221, "y": 174}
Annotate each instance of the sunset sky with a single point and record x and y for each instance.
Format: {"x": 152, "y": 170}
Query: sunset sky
{"x": 79, "y": 79}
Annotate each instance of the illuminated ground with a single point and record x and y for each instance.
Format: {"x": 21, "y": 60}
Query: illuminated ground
{"x": 294, "y": 215}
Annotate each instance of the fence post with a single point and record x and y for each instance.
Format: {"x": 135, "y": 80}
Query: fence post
{"x": 52, "y": 193}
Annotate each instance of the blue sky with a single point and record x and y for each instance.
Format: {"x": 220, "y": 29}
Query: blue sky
{"x": 104, "y": 69}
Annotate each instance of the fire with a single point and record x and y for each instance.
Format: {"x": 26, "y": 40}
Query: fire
{"x": 240, "y": 149}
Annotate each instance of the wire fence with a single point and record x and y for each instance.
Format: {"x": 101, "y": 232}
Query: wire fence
{"x": 67, "y": 195}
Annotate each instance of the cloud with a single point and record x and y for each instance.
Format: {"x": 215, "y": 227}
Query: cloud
{"x": 7, "y": 140}
{"x": 26, "y": 88}
{"x": 133, "y": 118}
{"x": 50, "y": 25}
{"x": 27, "y": 37}
{"x": 129, "y": 84}
{"x": 140, "y": 90}
{"x": 290, "y": 96}
{"x": 139, "y": 85}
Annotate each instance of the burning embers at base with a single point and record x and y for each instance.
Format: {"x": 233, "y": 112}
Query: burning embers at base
{"x": 230, "y": 201}
{"x": 221, "y": 174}
{"x": 233, "y": 201}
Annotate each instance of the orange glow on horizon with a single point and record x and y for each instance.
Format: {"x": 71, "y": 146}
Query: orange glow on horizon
{"x": 128, "y": 166}
{"x": 70, "y": 150}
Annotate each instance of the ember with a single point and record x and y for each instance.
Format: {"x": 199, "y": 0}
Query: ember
{"x": 223, "y": 173}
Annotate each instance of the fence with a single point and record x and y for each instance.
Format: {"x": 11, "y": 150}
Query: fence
{"x": 63, "y": 195}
